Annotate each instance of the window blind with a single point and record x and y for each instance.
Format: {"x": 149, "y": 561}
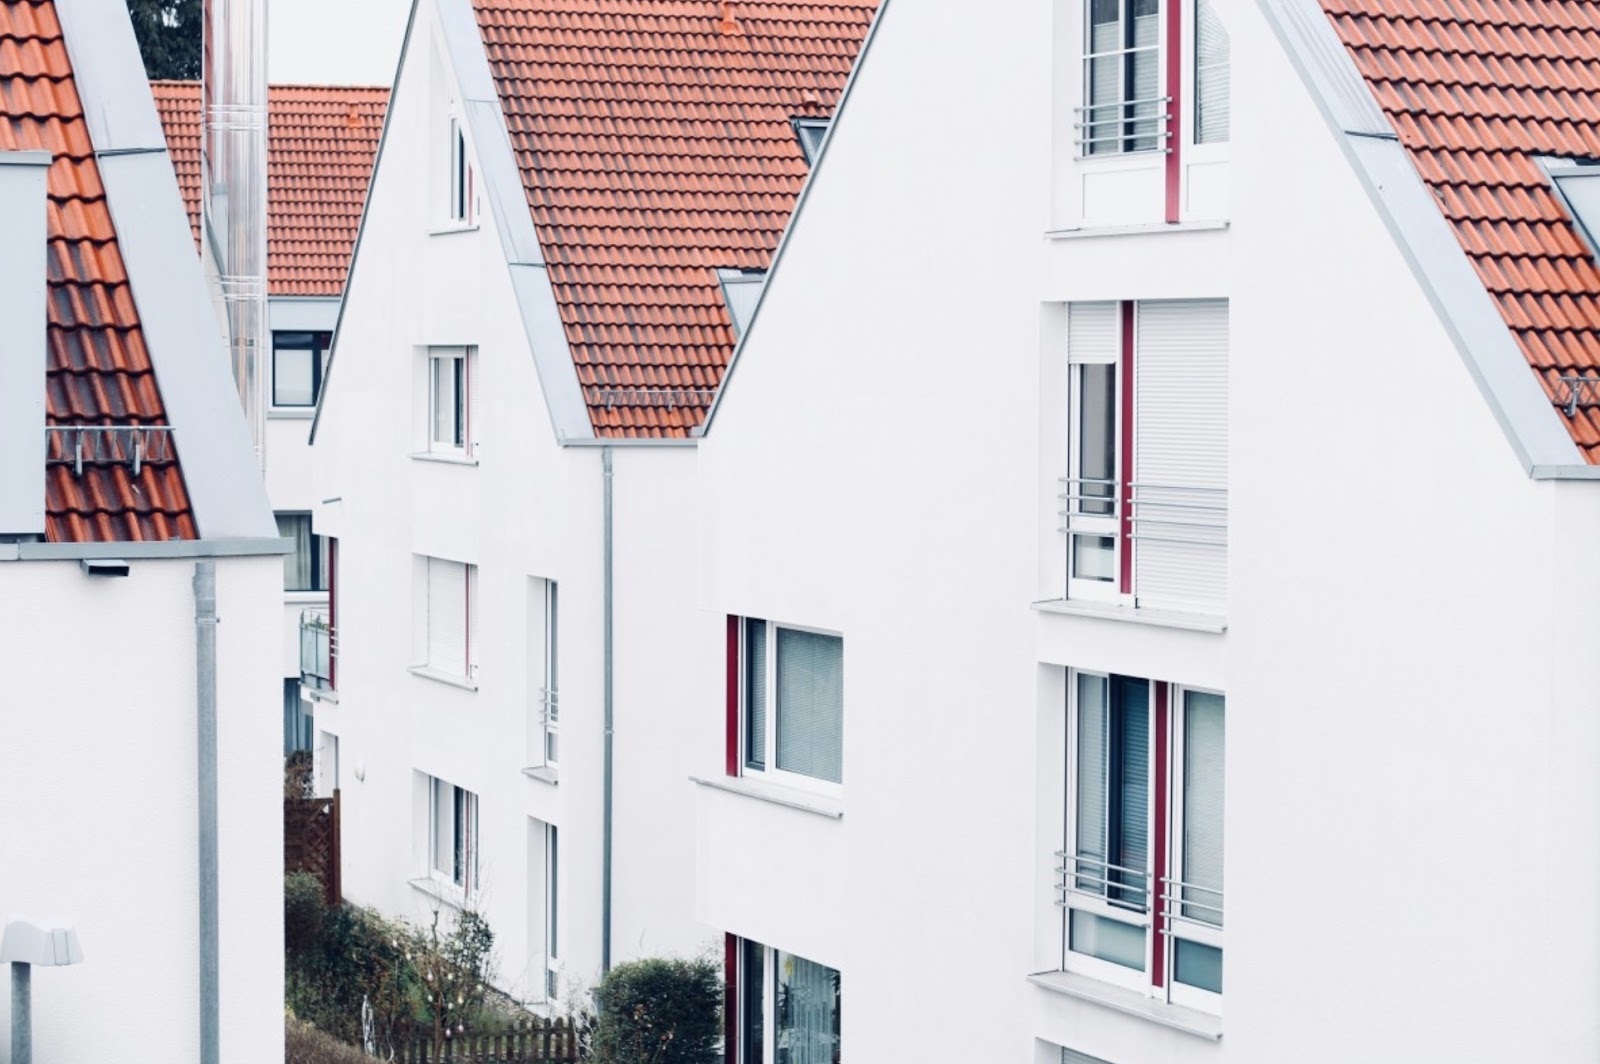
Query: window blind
{"x": 297, "y": 567}
{"x": 755, "y": 693}
{"x": 1131, "y": 840}
{"x": 1203, "y": 789}
{"x": 1211, "y": 104}
{"x": 810, "y": 704}
{"x": 447, "y": 616}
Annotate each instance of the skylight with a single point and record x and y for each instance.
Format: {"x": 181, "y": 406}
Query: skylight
{"x": 741, "y": 291}
{"x": 812, "y": 132}
{"x": 1578, "y": 186}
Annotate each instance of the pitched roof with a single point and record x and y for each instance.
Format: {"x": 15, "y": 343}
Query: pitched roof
{"x": 655, "y": 145}
{"x": 98, "y": 370}
{"x": 1477, "y": 90}
{"x": 321, "y": 143}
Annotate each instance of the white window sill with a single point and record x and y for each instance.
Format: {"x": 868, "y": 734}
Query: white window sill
{"x": 777, "y": 794}
{"x": 448, "y": 893}
{"x": 291, "y": 413}
{"x": 446, "y": 228}
{"x": 306, "y": 598}
{"x": 1131, "y": 1003}
{"x": 1194, "y": 622}
{"x": 443, "y": 677}
{"x": 447, "y": 457}
{"x": 544, "y": 774}
{"x": 319, "y": 695}
{"x": 1094, "y": 232}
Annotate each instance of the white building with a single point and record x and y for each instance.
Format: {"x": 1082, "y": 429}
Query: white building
{"x": 130, "y": 506}
{"x": 1101, "y": 447}
{"x": 571, "y": 213}
{"x": 321, "y": 141}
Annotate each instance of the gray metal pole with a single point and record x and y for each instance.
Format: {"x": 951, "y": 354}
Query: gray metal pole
{"x": 21, "y": 1013}
{"x": 610, "y": 703}
{"x": 205, "y": 646}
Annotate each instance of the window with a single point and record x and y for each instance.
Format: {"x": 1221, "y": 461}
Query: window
{"x": 448, "y": 593}
{"x": 741, "y": 291}
{"x": 453, "y": 835}
{"x": 1144, "y": 503}
{"x": 447, "y": 399}
{"x": 1210, "y": 75}
{"x": 299, "y": 360}
{"x": 788, "y": 1008}
{"x": 328, "y": 768}
{"x": 552, "y": 911}
{"x": 1135, "y": 861}
{"x": 1122, "y": 77}
{"x": 792, "y": 702}
{"x": 544, "y": 716}
{"x": 811, "y": 133}
{"x": 461, "y": 178}
{"x": 307, "y": 569}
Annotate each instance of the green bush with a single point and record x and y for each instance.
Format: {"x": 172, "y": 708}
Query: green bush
{"x": 659, "y": 1011}
{"x": 303, "y": 911}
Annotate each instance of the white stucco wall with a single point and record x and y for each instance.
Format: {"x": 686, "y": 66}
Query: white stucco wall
{"x": 99, "y": 771}
{"x": 528, "y": 509}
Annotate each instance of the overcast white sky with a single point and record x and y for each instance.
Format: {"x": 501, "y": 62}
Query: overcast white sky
{"x": 334, "y": 42}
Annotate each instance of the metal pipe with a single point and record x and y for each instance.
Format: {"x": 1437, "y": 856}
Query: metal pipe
{"x": 21, "y": 1013}
{"x": 233, "y": 206}
{"x": 205, "y": 647}
{"x": 610, "y": 705}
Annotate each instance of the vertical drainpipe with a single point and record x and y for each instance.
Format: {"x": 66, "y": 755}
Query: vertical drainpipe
{"x": 233, "y": 203}
{"x": 610, "y": 705}
{"x": 205, "y": 646}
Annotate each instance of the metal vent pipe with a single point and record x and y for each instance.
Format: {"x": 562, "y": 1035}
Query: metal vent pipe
{"x": 233, "y": 206}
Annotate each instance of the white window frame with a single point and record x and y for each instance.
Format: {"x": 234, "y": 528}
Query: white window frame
{"x": 550, "y": 691}
{"x": 1092, "y": 524}
{"x": 465, "y": 879}
{"x": 1107, "y": 971}
{"x": 770, "y": 770}
{"x": 552, "y": 912}
{"x": 1085, "y": 64}
{"x": 460, "y": 207}
{"x": 321, "y": 340}
{"x": 449, "y": 401}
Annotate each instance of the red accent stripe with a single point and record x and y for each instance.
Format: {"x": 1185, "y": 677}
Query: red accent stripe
{"x": 1175, "y": 106}
{"x": 733, "y": 695}
{"x": 730, "y": 1001}
{"x": 1127, "y": 449}
{"x": 333, "y": 613}
{"x": 1158, "y": 923}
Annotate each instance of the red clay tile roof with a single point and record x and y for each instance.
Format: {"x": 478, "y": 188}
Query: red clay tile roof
{"x": 655, "y": 146}
{"x": 1476, "y": 89}
{"x": 98, "y": 370}
{"x": 321, "y": 143}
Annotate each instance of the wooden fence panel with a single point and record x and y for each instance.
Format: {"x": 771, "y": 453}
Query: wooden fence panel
{"x": 312, "y": 843}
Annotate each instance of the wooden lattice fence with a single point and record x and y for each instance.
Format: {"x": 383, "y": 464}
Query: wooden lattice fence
{"x": 535, "y": 1042}
{"x": 311, "y": 841}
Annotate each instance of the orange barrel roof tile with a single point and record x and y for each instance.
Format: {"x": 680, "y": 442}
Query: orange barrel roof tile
{"x": 655, "y": 145}
{"x": 98, "y": 370}
{"x": 321, "y": 143}
{"x": 1477, "y": 91}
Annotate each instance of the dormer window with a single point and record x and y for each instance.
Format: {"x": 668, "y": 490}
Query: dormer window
{"x": 811, "y": 133}
{"x": 1124, "y": 109}
{"x": 741, "y": 291}
{"x": 1577, "y": 183}
{"x": 461, "y": 181}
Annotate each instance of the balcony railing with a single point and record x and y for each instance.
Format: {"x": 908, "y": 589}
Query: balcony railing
{"x": 1190, "y": 903}
{"x": 319, "y": 647}
{"x": 1178, "y": 534}
{"x": 1123, "y": 127}
{"x": 1089, "y": 877}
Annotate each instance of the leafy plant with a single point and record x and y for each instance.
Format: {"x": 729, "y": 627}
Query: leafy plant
{"x": 303, "y": 911}
{"x": 659, "y": 1011}
{"x": 168, "y": 32}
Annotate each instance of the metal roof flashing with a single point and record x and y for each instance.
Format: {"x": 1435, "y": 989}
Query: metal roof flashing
{"x": 1422, "y": 233}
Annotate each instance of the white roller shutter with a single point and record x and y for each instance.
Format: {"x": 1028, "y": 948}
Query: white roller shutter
{"x": 1181, "y": 456}
{"x": 1092, "y": 332}
{"x": 447, "y": 616}
{"x": 473, "y": 411}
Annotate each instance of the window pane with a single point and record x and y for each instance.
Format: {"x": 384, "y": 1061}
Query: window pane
{"x": 1203, "y": 742}
{"x": 1109, "y": 940}
{"x": 1211, "y": 76}
{"x": 1130, "y": 822}
{"x": 1097, "y": 437}
{"x": 1094, "y": 558}
{"x": 298, "y": 568}
{"x": 807, "y": 1028}
{"x": 1198, "y": 965}
{"x": 811, "y": 704}
{"x": 1093, "y": 769}
{"x": 293, "y": 383}
{"x": 458, "y": 390}
{"x": 752, "y": 1000}
{"x": 1144, "y": 85}
{"x": 755, "y": 694}
{"x": 440, "y": 828}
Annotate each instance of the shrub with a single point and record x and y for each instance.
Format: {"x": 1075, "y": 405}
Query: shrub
{"x": 659, "y": 1011}
{"x": 297, "y": 781}
{"x": 304, "y": 1044}
{"x": 303, "y": 911}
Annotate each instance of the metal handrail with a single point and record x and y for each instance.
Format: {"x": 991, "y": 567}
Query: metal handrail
{"x": 1101, "y": 883}
{"x": 1174, "y": 905}
{"x": 1126, "y": 126}
{"x": 319, "y": 648}
{"x": 131, "y": 445}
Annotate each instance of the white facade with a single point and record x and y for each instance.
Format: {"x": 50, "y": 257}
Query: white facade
{"x": 99, "y": 765}
{"x": 885, "y": 463}
{"x": 396, "y": 490}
